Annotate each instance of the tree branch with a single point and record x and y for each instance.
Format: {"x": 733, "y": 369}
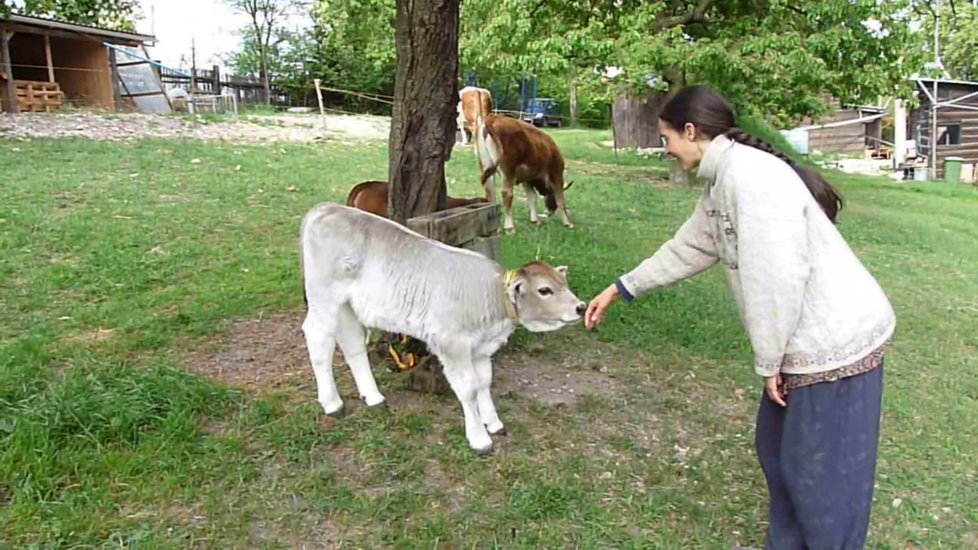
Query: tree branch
{"x": 698, "y": 15}
{"x": 797, "y": 10}
{"x": 929, "y": 8}
{"x": 536, "y": 8}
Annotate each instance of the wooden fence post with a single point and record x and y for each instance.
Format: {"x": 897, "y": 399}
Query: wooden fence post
{"x": 8, "y": 71}
{"x": 217, "y": 80}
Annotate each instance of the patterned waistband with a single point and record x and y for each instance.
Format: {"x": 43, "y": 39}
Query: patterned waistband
{"x": 869, "y": 362}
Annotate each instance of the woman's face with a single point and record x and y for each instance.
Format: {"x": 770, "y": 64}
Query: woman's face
{"x": 682, "y": 145}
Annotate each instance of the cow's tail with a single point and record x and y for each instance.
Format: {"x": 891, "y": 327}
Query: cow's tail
{"x": 486, "y": 150}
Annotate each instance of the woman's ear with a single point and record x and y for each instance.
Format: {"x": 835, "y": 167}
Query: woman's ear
{"x": 689, "y": 131}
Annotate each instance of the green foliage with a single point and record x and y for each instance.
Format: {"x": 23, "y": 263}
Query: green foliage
{"x": 958, "y": 38}
{"x": 291, "y": 62}
{"x": 771, "y": 57}
{"x": 350, "y": 46}
{"x": 112, "y": 14}
{"x": 355, "y": 40}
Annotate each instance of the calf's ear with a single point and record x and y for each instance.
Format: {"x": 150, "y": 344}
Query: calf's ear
{"x": 517, "y": 287}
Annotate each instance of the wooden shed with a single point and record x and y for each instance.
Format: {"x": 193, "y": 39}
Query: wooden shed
{"x": 848, "y": 129}
{"x": 634, "y": 122}
{"x": 957, "y": 121}
{"x": 45, "y": 63}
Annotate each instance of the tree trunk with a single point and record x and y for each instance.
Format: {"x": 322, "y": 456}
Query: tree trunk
{"x": 425, "y": 99}
{"x": 573, "y": 102}
{"x": 267, "y": 84}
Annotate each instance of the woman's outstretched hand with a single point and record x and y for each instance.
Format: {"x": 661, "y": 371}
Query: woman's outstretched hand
{"x": 598, "y": 307}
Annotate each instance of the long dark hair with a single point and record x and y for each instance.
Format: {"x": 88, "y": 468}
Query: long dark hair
{"x": 712, "y": 115}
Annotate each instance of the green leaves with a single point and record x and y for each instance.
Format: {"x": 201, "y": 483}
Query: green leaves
{"x": 775, "y": 57}
{"x": 958, "y": 39}
{"x": 113, "y": 14}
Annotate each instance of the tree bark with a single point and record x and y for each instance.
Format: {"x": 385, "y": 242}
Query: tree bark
{"x": 425, "y": 98}
{"x": 573, "y": 102}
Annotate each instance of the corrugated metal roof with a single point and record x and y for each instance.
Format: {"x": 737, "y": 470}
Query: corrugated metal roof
{"x": 43, "y": 22}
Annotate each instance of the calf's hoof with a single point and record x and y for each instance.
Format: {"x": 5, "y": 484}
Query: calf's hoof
{"x": 338, "y": 412}
{"x": 480, "y": 443}
{"x": 483, "y": 451}
{"x": 498, "y": 431}
{"x": 376, "y": 401}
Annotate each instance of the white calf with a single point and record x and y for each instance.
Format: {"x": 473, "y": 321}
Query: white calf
{"x": 362, "y": 270}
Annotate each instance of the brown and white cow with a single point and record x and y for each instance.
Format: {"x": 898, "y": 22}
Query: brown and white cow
{"x": 472, "y": 103}
{"x": 525, "y": 154}
{"x": 371, "y": 196}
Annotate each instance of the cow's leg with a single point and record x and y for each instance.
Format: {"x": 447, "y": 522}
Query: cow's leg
{"x": 562, "y": 205}
{"x": 508, "y": 184}
{"x": 319, "y": 328}
{"x": 350, "y": 336}
{"x": 488, "y": 181}
{"x": 531, "y": 201}
{"x": 461, "y": 376}
{"x": 487, "y": 409}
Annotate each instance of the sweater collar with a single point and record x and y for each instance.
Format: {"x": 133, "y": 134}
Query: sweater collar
{"x": 713, "y": 156}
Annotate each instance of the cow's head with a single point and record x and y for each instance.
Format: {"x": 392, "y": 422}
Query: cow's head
{"x": 542, "y": 299}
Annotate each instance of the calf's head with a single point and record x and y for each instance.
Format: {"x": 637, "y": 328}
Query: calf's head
{"x": 542, "y": 299}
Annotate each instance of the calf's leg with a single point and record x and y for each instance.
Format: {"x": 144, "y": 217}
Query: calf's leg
{"x": 461, "y": 376}
{"x": 487, "y": 409}
{"x": 350, "y": 335}
{"x": 319, "y": 329}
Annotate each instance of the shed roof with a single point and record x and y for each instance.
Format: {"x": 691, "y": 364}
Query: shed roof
{"x": 24, "y": 22}
{"x": 946, "y": 81}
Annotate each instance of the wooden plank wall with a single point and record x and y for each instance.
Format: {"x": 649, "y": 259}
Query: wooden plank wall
{"x": 847, "y": 139}
{"x": 86, "y": 77}
{"x": 635, "y": 121}
{"x": 968, "y": 119}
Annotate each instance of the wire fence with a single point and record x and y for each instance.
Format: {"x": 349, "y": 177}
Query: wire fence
{"x": 388, "y": 100}
{"x": 250, "y": 90}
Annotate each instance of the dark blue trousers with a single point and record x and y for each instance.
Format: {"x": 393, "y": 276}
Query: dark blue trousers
{"x": 819, "y": 457}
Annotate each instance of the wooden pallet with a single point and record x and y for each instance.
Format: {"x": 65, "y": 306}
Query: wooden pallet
{"x": 38, "y": 97}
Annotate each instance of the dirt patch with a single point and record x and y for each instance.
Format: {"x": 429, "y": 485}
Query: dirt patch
{"x": 269, "y": 353}
{"x": 254, "y": 129}
{"x": 256, "y": 354}
{"x": 550, "y": 379}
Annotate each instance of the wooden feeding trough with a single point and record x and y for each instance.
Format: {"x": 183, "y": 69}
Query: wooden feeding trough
{"x": 473, "y": 227}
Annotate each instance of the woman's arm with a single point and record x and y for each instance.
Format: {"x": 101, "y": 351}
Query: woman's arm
{"x": 690, "y": 251}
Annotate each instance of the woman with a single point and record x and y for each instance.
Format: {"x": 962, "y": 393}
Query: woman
{"x": 817, "y": 320}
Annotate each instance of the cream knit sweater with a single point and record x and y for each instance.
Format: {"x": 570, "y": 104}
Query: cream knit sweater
{"x": 807, "y": 302}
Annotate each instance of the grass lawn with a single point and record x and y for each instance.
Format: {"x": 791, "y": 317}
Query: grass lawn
{"x": 155, "y": 393}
